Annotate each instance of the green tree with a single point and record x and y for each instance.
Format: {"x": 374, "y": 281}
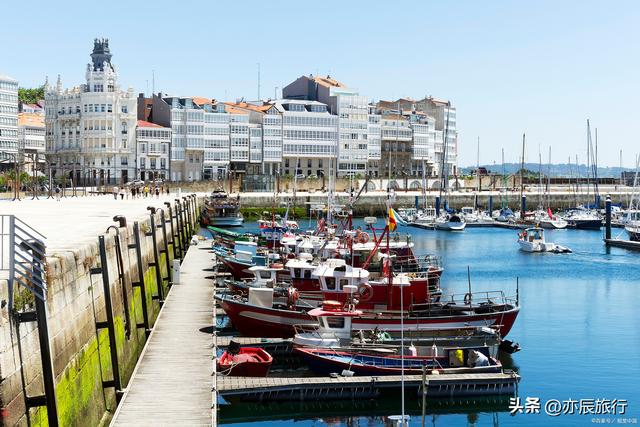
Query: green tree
{"x": 30, "y": 95}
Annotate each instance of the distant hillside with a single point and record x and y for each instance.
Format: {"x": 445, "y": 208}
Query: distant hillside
{"x": 557, "y": 170}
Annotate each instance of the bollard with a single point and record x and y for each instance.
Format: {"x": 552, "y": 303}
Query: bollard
{"x": 176, "y": 271}
{"x": 417, "y": 202}
{"x": 490, "y": 204}
{"x": 608, "y": 217}
{"x": 597, "y": 201}
{"x": 437, "y": 206}
{"x": 523, "y": 206}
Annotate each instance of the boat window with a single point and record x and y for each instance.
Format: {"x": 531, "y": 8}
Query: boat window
{"x": 265, "y": 274}
{"x": 335, "y": 322}
{"x": 343, "y": 283}
{"x": 296, "y": 272}
{"x": 331, "y": 283}
{"x": 307, "y": 274}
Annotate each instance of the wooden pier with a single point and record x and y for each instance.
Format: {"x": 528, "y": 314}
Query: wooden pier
{"x": 173, "y": 381}
{"x": 330, "y": 388}
{"x": 626, "y": 244}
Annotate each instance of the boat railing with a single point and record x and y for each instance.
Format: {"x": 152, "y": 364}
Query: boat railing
{"x": 412, "y": 264}
{"x": 474, "y": 299}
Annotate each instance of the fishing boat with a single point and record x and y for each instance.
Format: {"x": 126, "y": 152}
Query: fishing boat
{"x": 334, "y": 330}
{"x": 220, "y": 210}
{"x": 453, "y": 361}
{"x": 239, "y": 361}
{"x": 242, "y": 257}
{"x": 270, "y": 315}
{"x": 450, "y": 222}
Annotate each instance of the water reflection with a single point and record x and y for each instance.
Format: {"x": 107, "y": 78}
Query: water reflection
{"x": 366, "y": 412}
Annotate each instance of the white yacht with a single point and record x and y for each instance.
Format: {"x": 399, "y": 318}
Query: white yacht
{"x": 450, "y": 222}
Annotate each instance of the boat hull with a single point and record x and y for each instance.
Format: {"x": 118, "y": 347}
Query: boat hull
{"x": 257, "y": 366}
{"x": 255, "y": 321}
{"x": 325, "y": 363}
{"x": 226, "y": 221}
{"x": 585, "y": 224}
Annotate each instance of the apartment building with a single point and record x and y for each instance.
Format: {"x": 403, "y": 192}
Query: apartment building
{"x": 90, "y": 128}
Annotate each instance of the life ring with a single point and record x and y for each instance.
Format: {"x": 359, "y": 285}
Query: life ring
{"x": 467, "y": 298}
{"x": 365, "y": 291}
{"x": 277, "y": 265}
{"x": 364, "y": 238}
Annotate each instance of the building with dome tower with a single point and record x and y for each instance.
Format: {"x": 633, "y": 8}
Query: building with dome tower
{"x": 91, "y": 128}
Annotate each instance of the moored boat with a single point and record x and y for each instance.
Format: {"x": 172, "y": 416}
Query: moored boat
{"x": 453, "y": 361}
{"x": 220, "y": 210}
{"x": 244, "y": 361}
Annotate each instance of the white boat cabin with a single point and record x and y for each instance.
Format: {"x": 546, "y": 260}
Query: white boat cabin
{"x": 334, "y": 275}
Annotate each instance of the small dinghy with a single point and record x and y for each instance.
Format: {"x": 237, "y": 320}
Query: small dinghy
{"x": 244, "y": 362}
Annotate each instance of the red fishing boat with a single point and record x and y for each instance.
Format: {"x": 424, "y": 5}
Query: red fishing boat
{"x": 244, "y": 362}
{"x": 276, "y": 317}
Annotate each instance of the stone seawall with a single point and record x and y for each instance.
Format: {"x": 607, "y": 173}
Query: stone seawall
{"x": 75, "y": 303}
{"x": 373, "y": 203}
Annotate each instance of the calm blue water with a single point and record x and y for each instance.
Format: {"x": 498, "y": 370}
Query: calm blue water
{"x": 579, "y": 329}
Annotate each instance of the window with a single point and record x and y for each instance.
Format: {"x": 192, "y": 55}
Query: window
{"x": 335, "y": 322}
{"x": 124, "y": 109}
{"x": 143, "y": 162}
{"x": 109, "y": 108}
{"x": 296, "y": 273}
{"x": 331, "y": 283}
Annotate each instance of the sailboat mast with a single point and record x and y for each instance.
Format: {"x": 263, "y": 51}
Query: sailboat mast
{"x": 539, "y": 178}
{"x": 478, "y": 164}
{"x": 522, "y": 171}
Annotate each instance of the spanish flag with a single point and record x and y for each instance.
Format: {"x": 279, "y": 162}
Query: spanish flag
{"x": 392, "y": 223}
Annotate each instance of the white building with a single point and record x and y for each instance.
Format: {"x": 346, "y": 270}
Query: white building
{"x": 153, "y": 144}
{"x": 31, "y": 139}
{"x": 90, "y": 129}
{"x": 8, "y": 116}
{"x": 445, "y": 123}
{"x": 352, "y": 111}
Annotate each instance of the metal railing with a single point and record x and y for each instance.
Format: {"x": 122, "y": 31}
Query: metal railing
{"x": 20, "y": 245}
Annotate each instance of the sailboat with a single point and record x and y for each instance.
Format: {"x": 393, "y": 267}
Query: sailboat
{"x": 447, "y": 221}
{"x": 583, "y": 217}
{"x": 632, "y": 216}
{"x": 542, "y": 217}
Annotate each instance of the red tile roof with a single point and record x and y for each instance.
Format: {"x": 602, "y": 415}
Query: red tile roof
{"x": 144, "y": 124}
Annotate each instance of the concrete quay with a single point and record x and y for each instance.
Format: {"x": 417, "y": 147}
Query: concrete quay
{"x": 104, "y": 290}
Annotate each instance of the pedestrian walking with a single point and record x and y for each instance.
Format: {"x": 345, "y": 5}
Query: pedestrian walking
{"x": 168, "y": 190}
{"x": 57, "y": 190}
{"x": 116, "y": 190}
{"x": 157, "y": 192}
{"x": 146, "y": 191}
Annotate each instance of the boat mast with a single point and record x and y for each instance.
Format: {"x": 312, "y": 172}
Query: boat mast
{"x": 548, "y": 189}
{"x": 478, "y": 165}
{"x": 522, "y": 174}
{"x": 539, "y": 178}
{"x": 588, "y": 157}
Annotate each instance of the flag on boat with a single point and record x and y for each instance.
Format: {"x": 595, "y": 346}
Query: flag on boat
{"x": 398, "y": 218}
{"x": 392, "y": 223}
{"x": 549, "y": 213}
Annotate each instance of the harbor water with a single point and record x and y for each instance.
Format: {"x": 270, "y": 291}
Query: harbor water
{"x": 579, "y": 330}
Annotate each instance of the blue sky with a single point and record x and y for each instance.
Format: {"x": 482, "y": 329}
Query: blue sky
{"x": 509, "y": 67}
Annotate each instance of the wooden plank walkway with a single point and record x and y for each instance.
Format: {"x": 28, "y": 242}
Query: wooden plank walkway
{"x": 172, "y": 382}
{"x": 451, "y": 385}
